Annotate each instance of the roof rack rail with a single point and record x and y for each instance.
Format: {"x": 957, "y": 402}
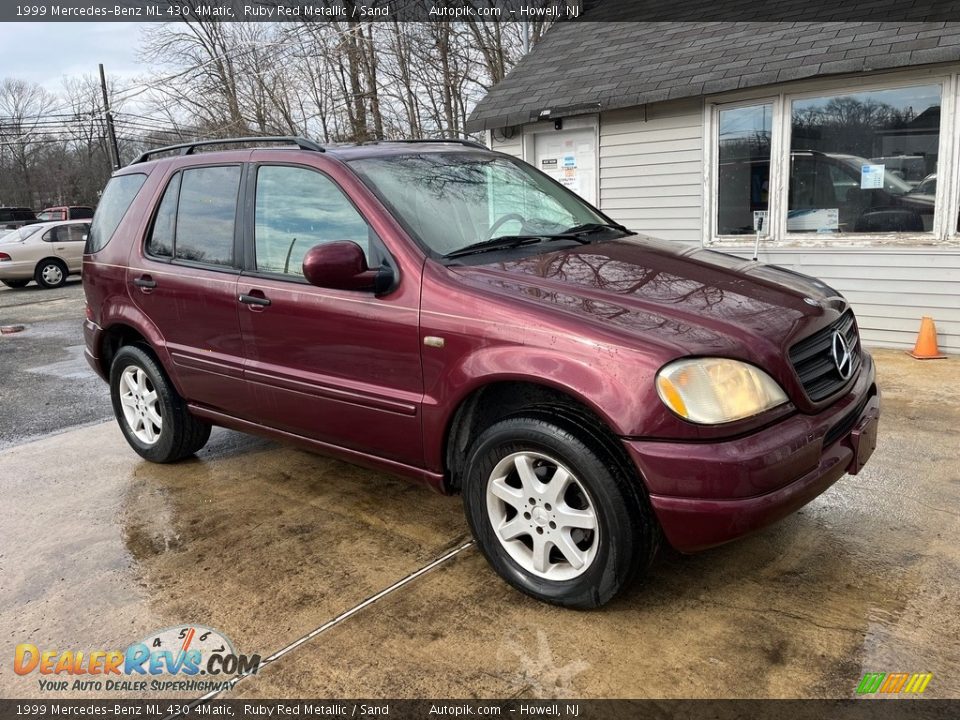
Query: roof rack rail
{"x": 460, "y": 141}
{"x": 188, "y": 148}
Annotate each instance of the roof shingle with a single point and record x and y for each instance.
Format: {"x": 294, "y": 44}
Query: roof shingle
{"x": 628, "y": 64}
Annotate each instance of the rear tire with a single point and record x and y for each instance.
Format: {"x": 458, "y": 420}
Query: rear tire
{"x": 15, "y": 284}
{"x": 152, "y": 416}
{"x": 556, "y": 513}
{"x": 50, "y": 273}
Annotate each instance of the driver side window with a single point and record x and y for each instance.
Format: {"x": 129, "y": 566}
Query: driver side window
{"x": 296, "y": 209}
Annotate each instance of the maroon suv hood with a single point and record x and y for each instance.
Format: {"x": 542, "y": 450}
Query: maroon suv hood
{"x": 688, "y": 301}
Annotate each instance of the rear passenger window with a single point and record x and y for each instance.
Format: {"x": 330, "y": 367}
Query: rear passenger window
{"x": 66, "y": 233}
{"x": 75, "y": 233}
{"x": 206, "y": 215}
{"x": 296, "y": 209}
{"x": 160, "y": 243}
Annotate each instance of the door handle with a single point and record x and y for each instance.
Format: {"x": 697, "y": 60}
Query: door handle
{"x": 145, "y": 283}
{"x": 254, "y": 300}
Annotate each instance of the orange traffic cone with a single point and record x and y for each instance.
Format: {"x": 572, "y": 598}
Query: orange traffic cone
{"x": 926, "y": 347}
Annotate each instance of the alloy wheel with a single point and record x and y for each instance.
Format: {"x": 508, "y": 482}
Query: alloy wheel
{"x": 542, "y": 516}
{"x": 141, "y": 406}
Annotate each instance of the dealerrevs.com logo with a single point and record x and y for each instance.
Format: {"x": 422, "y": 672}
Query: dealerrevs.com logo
{"x": 186, "y": 658}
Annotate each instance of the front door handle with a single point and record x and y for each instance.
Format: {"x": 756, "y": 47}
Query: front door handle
{"x": 145, "y": 283}
{"x": 254, "y": 300}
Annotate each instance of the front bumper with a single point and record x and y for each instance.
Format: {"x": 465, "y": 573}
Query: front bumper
{"x": 706, "y": 494}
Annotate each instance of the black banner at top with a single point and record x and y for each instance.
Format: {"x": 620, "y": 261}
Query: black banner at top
{"x": 811, "y": 11}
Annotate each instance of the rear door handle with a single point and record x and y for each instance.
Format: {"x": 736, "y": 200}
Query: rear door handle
{"x": 254, "y": 300}
{"x": 145, "y": 282}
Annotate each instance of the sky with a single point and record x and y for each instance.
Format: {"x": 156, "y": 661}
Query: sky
{"x": 45, "y": 52}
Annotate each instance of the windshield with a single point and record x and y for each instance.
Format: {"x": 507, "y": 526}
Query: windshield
{"x": 452, "y": 200}
{"x": 49, "y": 215}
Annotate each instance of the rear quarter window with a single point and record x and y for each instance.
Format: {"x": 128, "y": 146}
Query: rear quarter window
{"x": 116, "y": 200}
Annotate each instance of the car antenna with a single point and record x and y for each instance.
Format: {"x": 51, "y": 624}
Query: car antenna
{"x": 756, "y": 245}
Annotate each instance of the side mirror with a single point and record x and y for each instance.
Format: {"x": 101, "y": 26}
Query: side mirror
{"x": 341, "y": 265}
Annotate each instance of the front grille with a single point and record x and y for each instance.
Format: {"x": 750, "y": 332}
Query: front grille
{"x": 812, "y": 358}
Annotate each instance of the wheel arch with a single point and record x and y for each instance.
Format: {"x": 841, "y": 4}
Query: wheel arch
{"x": 123, "y": 326}
{"x": 115, "y": 337}
{"x": 51, "y": 258}
{"x": 46, "y": 258}
{"x": 500, "y": 398}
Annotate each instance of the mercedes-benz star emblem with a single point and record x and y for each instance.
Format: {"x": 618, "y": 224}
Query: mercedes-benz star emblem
{"x": 841, "y": 355}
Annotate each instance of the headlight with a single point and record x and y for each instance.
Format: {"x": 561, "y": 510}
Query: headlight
{"x": 711, "y": 391}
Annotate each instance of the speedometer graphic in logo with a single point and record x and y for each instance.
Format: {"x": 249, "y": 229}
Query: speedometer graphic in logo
{"x": 185, "y": 639}
{"x": 188, "y": 650}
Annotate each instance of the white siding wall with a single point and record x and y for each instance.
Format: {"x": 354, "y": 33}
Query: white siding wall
{"x": 890, "y": 289}
{"x": 512, "y": 146}
{"x": 651, "y": 169}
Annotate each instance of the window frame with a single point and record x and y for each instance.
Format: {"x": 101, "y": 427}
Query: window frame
{"x": 248, "y": 266}
{"x": 713, "y": 181}
{"x": 234, "y": 268}
{"x": 947, "y": 198}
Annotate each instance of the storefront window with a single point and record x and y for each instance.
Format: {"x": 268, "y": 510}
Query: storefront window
{"x": 743, "y": 179}
{"x": 862, "y": 162}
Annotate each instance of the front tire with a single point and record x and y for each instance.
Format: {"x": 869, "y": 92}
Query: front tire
{"x": 152, "y": 416}
{"x": 556, "y": 513}
{"x": 50, "y": 273}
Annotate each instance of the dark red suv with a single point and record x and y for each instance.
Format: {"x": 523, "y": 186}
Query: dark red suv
{"x": 451, "y": 314}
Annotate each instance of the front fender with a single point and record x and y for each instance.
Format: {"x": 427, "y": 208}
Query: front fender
{"x": 615, "y": 397}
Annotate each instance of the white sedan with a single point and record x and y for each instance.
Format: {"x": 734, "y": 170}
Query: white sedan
{"x": 44, "y": 252}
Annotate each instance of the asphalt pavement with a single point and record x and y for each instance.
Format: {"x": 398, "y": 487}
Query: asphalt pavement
{"x": 46, "y": 385}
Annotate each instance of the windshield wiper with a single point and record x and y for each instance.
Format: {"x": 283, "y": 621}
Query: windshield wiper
{"x": 588, "y": 228}
{"x": 506, "y": 242}
{"x": 499, "y": 243}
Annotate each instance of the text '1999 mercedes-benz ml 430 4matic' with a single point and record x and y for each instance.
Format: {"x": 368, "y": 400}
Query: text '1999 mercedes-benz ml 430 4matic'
{"x": 451, "y": 314}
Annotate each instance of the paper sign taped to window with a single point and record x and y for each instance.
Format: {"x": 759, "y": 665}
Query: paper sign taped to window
{"x": 822, "y": 220}
{"x": 569, "y": 161}
{"x": 871, "y": 177}
{"x": 759, "y": 220}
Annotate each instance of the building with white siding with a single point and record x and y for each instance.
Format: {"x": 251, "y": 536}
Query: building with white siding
{"x": 839, "y": 141}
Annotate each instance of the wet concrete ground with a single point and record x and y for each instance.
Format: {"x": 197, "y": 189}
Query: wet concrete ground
{"x": 267, "y": 543}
